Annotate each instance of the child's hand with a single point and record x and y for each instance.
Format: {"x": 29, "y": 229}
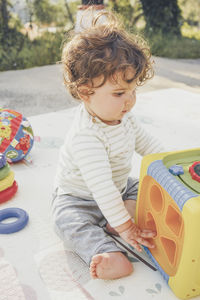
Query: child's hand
{"x": 134, "y": 236}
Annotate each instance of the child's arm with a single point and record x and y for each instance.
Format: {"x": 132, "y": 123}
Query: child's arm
{"x": 145, "y": 143}
{"x": 91, "y": 157}
{"x": 134, "y": 236}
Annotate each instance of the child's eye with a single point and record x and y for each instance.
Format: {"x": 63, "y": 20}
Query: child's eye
{"x": 119, "y": 94}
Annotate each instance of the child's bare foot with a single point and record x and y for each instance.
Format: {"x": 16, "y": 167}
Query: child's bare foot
{"x": 111, "y": 265}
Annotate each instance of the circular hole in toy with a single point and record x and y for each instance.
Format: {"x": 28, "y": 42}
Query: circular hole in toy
{"x": 156, "y": 198}
{"x": 20, "y": 216}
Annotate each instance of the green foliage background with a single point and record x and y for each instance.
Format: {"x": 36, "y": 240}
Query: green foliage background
{"x": 17, "y": 51}
{"x": 179, "y": 40}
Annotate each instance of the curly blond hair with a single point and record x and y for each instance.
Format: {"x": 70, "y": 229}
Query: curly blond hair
{"x": 103, "y": 50}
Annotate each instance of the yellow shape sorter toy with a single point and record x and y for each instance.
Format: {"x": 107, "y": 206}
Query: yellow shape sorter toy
{"x": 169, "y": 203}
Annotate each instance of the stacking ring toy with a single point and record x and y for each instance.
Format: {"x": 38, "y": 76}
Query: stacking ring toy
{"x": 20, "y": 214}
{"x": 7, "y": 182}
{"x": 7, "y": 194}
{"x": 4, "y": 171}
{"x": 2, "y": 160}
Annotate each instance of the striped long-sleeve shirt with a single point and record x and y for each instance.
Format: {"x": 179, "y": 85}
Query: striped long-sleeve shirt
{"x": 96, "y": 159}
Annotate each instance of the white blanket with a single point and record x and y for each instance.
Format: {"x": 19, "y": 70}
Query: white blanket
{"x": 33, "y": 262}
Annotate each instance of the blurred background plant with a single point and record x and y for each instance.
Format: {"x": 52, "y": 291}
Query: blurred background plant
{"x": 32, "y": 31}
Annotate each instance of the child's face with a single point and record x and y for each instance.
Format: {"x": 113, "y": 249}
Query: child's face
{"x": 111, "y": 101}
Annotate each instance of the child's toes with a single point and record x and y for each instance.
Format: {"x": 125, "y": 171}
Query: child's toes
{"x": 93, "y": 266}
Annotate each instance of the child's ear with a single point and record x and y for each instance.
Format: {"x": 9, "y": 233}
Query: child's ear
{"x": 84, "y": 92}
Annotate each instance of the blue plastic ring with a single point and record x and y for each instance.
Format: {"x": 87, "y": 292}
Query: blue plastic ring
{"x": 13, "y": 212}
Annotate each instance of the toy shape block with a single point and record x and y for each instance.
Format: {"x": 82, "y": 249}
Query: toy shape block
{"x": 169, "y": 203}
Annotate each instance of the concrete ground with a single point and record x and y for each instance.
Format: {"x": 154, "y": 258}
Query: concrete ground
{"x": 40, "y": 90}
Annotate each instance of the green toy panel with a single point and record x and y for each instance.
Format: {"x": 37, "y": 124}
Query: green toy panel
{"x": 184, "y": 159}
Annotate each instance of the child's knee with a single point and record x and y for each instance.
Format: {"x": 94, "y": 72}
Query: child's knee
{"x": 130, "y": 206}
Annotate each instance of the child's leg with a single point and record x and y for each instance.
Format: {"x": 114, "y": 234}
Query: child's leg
{"x": 130, "y": 206}
{"x": 77, "y": 223}
{"x": 110, "y": 265}
{"x": 114, "y": 265}
{"x": 129, "y": 197}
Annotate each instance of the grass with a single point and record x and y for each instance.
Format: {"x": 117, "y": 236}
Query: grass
{"x": 46, "y": 50}
{"x": 186, "y": 46}
{"x": 174, "y": 47}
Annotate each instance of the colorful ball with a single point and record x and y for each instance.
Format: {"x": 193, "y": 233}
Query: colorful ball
{"x": 16, "y": 135}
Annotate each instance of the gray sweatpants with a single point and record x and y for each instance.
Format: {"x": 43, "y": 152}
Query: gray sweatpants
{"x": 79, "y": 223}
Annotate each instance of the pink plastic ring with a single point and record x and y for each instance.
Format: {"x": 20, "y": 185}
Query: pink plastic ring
{"x": 8, "y": 193}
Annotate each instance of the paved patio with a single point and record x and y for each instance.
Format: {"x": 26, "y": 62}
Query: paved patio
{"x": 40, "y": 89}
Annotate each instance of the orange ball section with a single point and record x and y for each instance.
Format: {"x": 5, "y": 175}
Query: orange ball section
{"x": 159, "y": 212}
